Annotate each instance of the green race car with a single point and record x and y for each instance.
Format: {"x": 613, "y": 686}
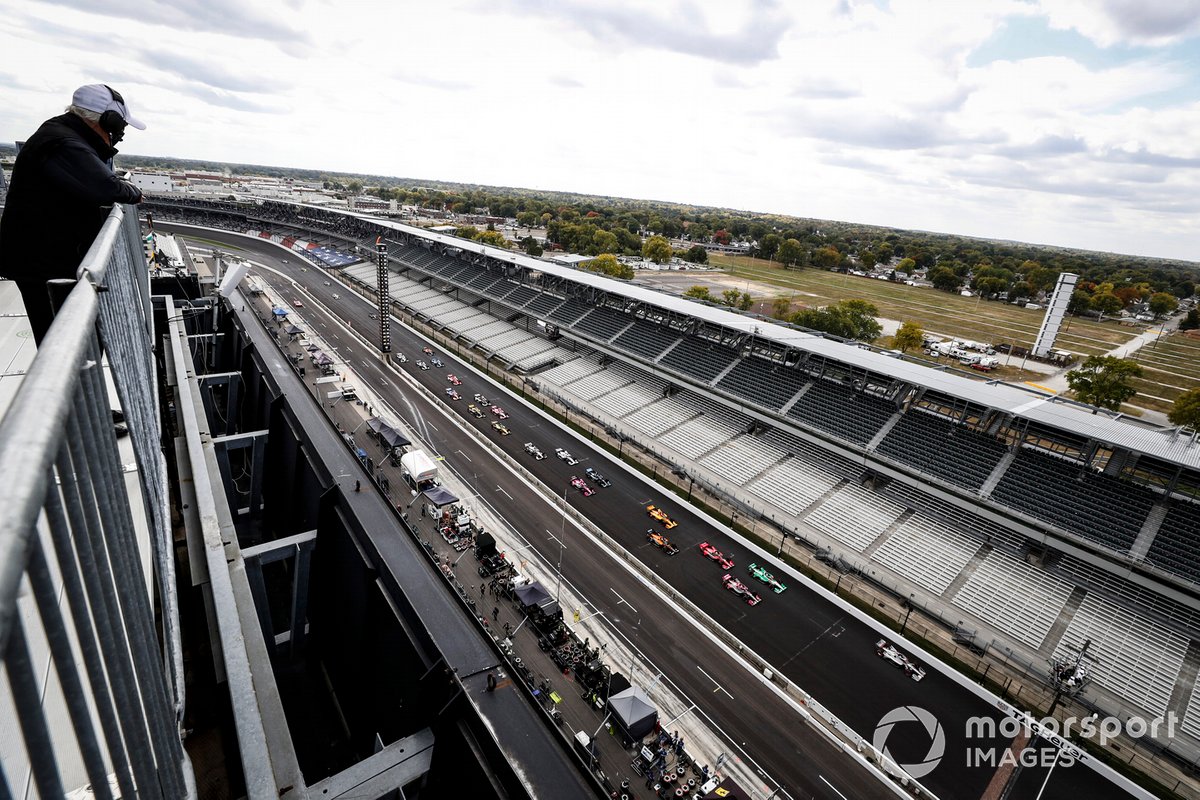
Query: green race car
{"x": 761, "y": 574}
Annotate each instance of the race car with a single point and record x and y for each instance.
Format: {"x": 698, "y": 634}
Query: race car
{"x": 889, "y": 652}
{"x": 565, "y": 456}
{"x": 297, "y": 304}
{"x": 474, "y": 410}
{"x": 427, "y": 351}
{"x": 454, "y": 379}
{"x": 740, "y": 589}
{"x": 403, "y": 359}
{"x": 483, "y": 401}
{"x": 453, "y": 395}
{"x": 598, "y": 478}
{"x": 660, "y": 541}
{"x": 761, "y": 574}
{"x": 580, "y": 484}
{"x": 437, "y": 362}
{"x": 716, "y": 555}
{"x": 422, "y": 365}
{"x": 499, "y": 412}
{"x": 659, "y": 515}
{"x": 534, "y": 450}
{"x": 501, "y": 428}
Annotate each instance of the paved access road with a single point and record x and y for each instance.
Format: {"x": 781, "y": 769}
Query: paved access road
{"x": 805, "y": 637}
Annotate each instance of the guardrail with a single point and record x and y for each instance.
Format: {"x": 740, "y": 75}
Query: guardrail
{"x": 65, "y": 501}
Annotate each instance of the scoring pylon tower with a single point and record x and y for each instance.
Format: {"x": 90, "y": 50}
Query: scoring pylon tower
{"x": 384, "y": 297}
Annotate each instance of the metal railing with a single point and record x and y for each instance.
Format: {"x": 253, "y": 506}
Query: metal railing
{"x": 110, "y": 712}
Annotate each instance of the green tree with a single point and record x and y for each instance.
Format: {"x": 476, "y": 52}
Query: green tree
{"x": 494, "y": 238}
{"x": 698, "y": 293}
{"x": 790, "y": 252}
{"x": 910, "y": 335}
{"x": 1106, "y": 303}
{"x": 1163, "y": 303}
{"x": 1186, "y": 411}
{"x": 527, "y": 219}
{"x": 828, "y": 257}
{"x": 867, "y": 258}
{"x": 781, "y": 307}
{"x": 604, "y": 242}
{"x": 530, "y": 246}
{"x": 696, "y": 254}
{"x": 943, "y": 278}
{"x": 656, "y": 249}
{"x": 1191, "y": 321}
{"x": 735, "y": 299}
{"x": 1104, "y": 381}
{"x": 768, "y": 244}
{"x": 990, "y": 287}
{"x": 607, "y": 264}
{"x": 466, "y": 232}
{"x": 849, "y": 319}
{"x": 906, "y": 265}
{"x": 355, "y": 186}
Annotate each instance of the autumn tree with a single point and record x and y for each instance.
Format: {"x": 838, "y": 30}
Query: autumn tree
{"x": 910, "y": 335}
{"x": 1186, "y": 411}
{"x": 656, "y": 249}
{"x": 607, "y": 264}
{"x": 494, "y": 238}
{"x": 790, "y": 252}
{"x": 1104, "y": 381}
{"x": 698, "y": 293}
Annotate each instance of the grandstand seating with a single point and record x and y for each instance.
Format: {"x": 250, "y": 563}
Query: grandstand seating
{"x": 1020, "y": 600}
{"x": 1105, "y": 509}
{"x": 735, "y": 420}
{"x": 656, "y": 419}
{"x": 589, "y": 387}
{"x": 500, "y": 289}
{"x": 1175, "y": 545}
{"x": 646, "y": 339}
{"x": 927, "y": 553}
{"x": 697, "y": 436}
{"x": 814, "y": 455}
{"x": 569, "y": 312}
{"x": 699, "y": 358}
{"x": 1138, "y": 658}
{"x": 1191, "y": 716}
{"x": 1135, "y": 595}
{"x": 937, "y": 446}
{"x": 627, "y": 399}
{"x": 793, "y": 485}
{"x": 534, "y": 352}
{"x": 742, "y": 458}
{"x": 602, "y": 323}
{"x": 957, "y": 517}
{"x": 854, "y": 515}
{"x": 842, "y": 411}
{"x": 571, "y": 371}
{"x": 543, "y": 305}
{"x": 522, "y": 295}
{"x": 769, "y": 385}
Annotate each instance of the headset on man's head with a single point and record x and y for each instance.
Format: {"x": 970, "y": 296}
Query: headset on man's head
{"x": 112, "y": 121}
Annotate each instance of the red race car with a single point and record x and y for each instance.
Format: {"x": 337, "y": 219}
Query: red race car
{"x": 454, "y": 379}
{"x": 580, "y": 484}
{"x": 716, "y": 555}
{"x": 741, "y": 590}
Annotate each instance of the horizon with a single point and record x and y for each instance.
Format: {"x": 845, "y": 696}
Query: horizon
{"x": 1045, "y": 121}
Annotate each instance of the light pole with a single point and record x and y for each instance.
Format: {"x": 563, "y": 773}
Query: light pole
{"x": 909, "y": 609}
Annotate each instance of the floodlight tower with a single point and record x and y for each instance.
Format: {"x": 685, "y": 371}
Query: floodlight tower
{"x": 383, "y": 296}
{"x": 1056, "y": 310}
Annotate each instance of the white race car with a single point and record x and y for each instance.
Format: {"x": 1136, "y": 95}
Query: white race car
{"x": 889, "y": 652}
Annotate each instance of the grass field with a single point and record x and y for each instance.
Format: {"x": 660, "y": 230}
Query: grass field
{"x": 1171, "y": 366}
{"x": 937, "y": 312}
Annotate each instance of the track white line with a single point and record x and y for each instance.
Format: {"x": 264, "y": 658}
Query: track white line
{"x": 719, "y": 688}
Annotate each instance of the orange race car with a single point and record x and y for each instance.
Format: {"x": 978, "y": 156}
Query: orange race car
{"x": 661, "y": 542}
{"x": 659, "y": 515}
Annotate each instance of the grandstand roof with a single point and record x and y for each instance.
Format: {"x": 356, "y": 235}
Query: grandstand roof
{"x": 1165, "y": 443}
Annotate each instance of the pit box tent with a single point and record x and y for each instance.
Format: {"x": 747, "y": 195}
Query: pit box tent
{"x": 485, "y": 545}
{"x": 633, "y": 712}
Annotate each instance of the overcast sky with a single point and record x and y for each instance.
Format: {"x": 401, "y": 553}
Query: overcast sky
{"x": 1072, "y": 122}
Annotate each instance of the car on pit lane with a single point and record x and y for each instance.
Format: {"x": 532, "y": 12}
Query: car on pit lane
{"x": 761, "y": 574}
{"x": 598, "y": 478}
{"x": 501, "y": 428}
{"x": 659, "y": 515}
{"x": 474, "y": 411}
{"x": 661, "y": 541}
{"x": 565, "y": 456}
{"x": 297, "y": 304}
{"x": 533, "y": 450}
{"x": 452, "y": 394}
{"x": 454, "y": 379}
{"x": 740, "y": 589}
{"x": 580, "y": 484}
{"x": 892, "y": 654}
{"x": 713, "y": 554}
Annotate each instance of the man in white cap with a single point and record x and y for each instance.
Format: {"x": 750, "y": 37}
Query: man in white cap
{"x": 61, "y": 184}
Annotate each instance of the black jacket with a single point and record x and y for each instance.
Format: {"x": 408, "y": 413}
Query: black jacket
{"x": 60, "y": 183}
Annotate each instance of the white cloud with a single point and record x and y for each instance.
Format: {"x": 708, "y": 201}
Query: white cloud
{"x": 836, "y": 110}
{"x": 1113, "y": 22}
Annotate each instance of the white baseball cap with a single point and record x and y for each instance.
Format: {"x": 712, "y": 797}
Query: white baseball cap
{"x": 100, "y": 98}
